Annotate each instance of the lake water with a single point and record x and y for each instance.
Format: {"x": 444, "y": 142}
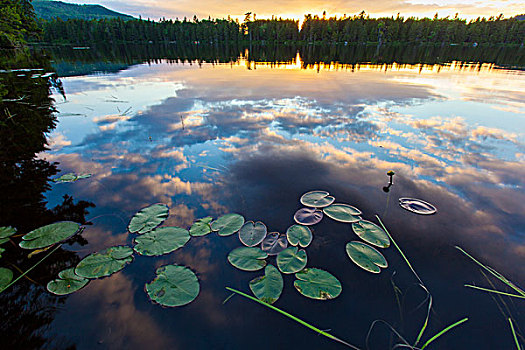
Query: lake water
{"x": 244, "y": 135}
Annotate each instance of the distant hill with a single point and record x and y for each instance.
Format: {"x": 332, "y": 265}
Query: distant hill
{"x": 47, "y": 9}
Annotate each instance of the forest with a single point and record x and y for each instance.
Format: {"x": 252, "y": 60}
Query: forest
{"x": 360, "y": 28}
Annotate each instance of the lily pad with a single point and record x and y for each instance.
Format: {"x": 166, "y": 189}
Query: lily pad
{"x": 299, "y": 235}
{"x": 308, "y": 216}
{"x": 173, "y": 286}
{"x": 162, "y": 240}
{"x": 343, "y": 212}
{"x": 71, "y": 177}
{"x": 67, "y": 282}
{"x": 228, "y": 224}
{"x": 317, "y": 284}
{"x": 6, "y": 232}
{"x": 201, "y": 227}
{"x": 148, "y": 218}
{"x": 371, "y": 233}
{"x": 365, "y": 256}
{"x": 274, "y": 243}
{"x": 6, "y": 276}
{"x": 251, "y": 234}
{"x": 291, "y": 260}
{"x": 269, "y": 287}
{"x": 317, "y": 199}
{"x": 417, "y": 206}
{"x": 104, "y": 263}
{"x": 50, "y": 234}
{"x": 248, "y": 258}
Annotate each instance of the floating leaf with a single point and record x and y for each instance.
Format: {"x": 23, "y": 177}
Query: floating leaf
{"x": 371, "y": 233}
{"x": 317, "y": 284}
{"x": 50, "y": 234}
{"x": 104, "y": 263}
{"x": 173, "y": 286}
{"x": 3, "y": 240}
{"x": 308, "y": 216}
{"x": 162, "y": 240}
{"x": 201, "y": 227}
{"x": 274, "y": 243}
{"x": 248, "y": 258}
{"x": 71, "y": 177}
{"x": 317, "y": 199}
{"x": 417, "y": 206}
{"x": 228, "y": 224}
{"x": 148, "y": 218}
{"x": 291, "y": 260}
{"x": 343, "y": 212}
{"x": 269, "y": 287}
{"x": 6, "y": 276}
{"x": 7, "y": 231}
{"x": 67, "y": 282}
{"x": 251, "y": 234}
{"x": 298, "y": 234}
{"x": 1, "y": 251}
{"x": 365, "y": 256}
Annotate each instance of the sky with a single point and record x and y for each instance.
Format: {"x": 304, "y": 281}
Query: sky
{"x": 296, "y": 9}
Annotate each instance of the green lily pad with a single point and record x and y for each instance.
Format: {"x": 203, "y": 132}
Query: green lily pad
{"x": 50, "y": 234}
{"x": 274, "y": 243}
{"x": 104, "y": 263}
{"x": 148, "y": 218}
{"x": 67, "y": 282}
{"x": 291, "y": 260}
{"x": 317, "y": 284}
{"x": 317, "y": 199}
{"x": 251, "y": 234}
{"x": 6, "y": 276}
{"x": 71, "y": 177}
{"x": 269, "y": 287}
{"x": 7, "y": 231}
{"x": 201, "y": 227}
{"x": 162, "y": 240}
{"x": 343, "y": 212}
{"x": 371, "y": 233}
{"x": 248, "y": 258}
{"x": 308, "y": 216}
{"x": 228, "y": 224}
{"x": 365, "y": 256}
{"x": 299, "y": 235}
{"x": 174, "y": 285}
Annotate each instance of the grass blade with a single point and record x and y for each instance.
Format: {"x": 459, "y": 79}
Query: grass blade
{"x": 443, "y": 332}
{"x": 518, "y": 347}
{"x": 425, "y": 324}
{"x": 495, "y": 291}
{"x": 328, "y": 335}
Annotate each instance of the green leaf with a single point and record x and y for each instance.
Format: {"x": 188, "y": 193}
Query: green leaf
{"x": 148, "y": 218}
{"x": 317, "y": 284}
{"x": 67, "y": 282}
{"x": 299, "y": 235}
{"x": 274, "y": 243}
{"x": 1, "y": 251}
{"x": 308, "y": 216}
{"x": 371, "y": 233}
{"x": 251, "y": 234}
{"x": 343, "y": 212}
{"x": 173, "y": 286}
{"x": 104, "y": 263}
{"x": 3, "y": 240}
{"x": 162, "y": 240}
{"x": 228, "y": 224}
{"x": 269, "y": 287}
{"x": 201, "y": 227}
{"x": 365, "y": 256}
{"x": 50, "y": 234}
{"x": 7, "y": 231}
{"x": 291, "y": 260}
{"x": 6, "y": 276}
{"x": 317, "y": 199}
{"x": 248, "y": 258}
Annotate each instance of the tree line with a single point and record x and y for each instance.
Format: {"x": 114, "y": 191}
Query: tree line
{"x": 17, "y": 23}
{"x": 354, "y": 29}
